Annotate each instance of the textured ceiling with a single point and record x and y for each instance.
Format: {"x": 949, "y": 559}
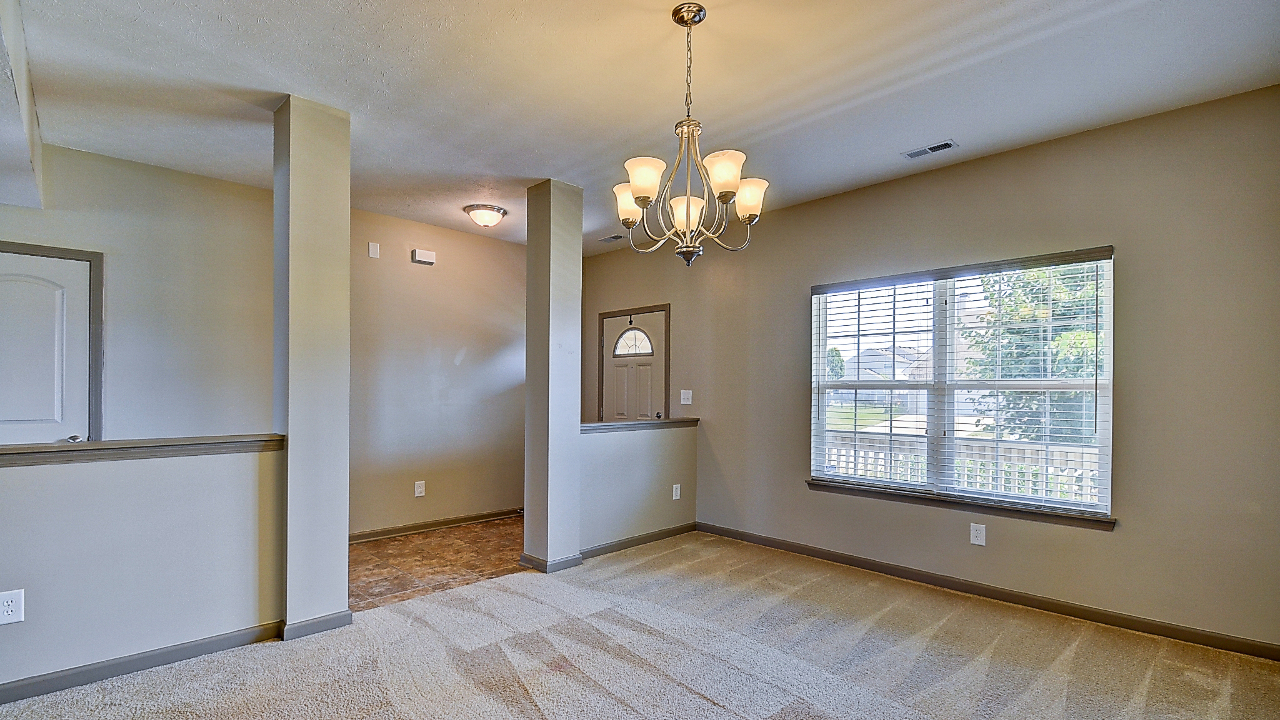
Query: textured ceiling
{"x": 454, "y": 103}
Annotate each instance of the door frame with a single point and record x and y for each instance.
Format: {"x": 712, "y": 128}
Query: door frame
{"x": 665, "y": 309}
{"x": 95, "y": 260}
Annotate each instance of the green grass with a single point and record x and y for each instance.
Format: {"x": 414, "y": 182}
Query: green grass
{"x": 851, "y": 418}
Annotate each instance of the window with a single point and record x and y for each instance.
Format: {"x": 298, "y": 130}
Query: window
{"x": 989, "y": 383}
{"x": 632, "y": 341}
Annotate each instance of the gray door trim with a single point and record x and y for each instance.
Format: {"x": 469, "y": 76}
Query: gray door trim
{"x": 665, "y": 309}
{"x": 96, "y": 291}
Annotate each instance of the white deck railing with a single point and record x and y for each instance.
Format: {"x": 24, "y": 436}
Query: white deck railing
{"x": 1054, "y": 471}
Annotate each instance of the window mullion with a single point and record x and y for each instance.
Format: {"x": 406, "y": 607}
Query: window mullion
{"x": 941, "y": 413}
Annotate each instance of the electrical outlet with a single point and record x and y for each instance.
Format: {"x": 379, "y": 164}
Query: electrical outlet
{"x": 375, "y": 250}
{"x": 420, "y": 488}
{"x": 675, "y": 492}
{"x": 686, "y": 397}
{"x": 11, "y": 607}
{"x": 977, "y": 534}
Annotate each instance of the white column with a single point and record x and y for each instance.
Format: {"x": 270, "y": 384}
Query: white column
{"x": 313, "y": 356}
{"x": 553, "y": 377}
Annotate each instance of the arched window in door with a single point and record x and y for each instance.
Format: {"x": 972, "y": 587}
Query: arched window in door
{"x": 633, "y": 342}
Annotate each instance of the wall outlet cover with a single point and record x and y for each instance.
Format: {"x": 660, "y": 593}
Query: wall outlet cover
{"x": 12, "y": 607}
{"x": 686, "y": 397}
{"x": 420, "y": 488}
{"x": 675, "y": 492}
{"x": 977, "y": 534}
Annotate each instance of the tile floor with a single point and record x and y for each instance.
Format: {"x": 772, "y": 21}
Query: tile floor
{"x": 381, "y": 572}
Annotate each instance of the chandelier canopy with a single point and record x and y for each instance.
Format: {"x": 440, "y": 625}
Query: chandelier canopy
{"x": 688, "y": 218}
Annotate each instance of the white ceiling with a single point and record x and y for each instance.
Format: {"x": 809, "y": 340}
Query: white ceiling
{"x": 454, "y": 103}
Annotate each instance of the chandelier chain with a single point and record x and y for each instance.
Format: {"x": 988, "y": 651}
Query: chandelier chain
{"x": 688, "y": 72}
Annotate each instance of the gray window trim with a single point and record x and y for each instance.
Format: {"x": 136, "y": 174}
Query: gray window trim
{"x": 983, "y": 506}
{"x": 933, "y": 496}
{"x": 1105, "y": 252}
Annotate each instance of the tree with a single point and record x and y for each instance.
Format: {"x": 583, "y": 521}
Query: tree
{"x": 835, "y": 364}
{"x": 1039, "y": 324}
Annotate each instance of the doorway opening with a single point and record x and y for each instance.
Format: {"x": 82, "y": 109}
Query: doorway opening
{"x": 634, "y": 364}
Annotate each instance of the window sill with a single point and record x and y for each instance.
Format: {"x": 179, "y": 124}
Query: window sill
{"x": 976, "y": 505}
{"x": 609, "y": 427}
{"x": 111, "y": 450}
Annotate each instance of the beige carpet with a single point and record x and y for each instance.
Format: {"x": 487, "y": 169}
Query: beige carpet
{"x": 695, "y": 627}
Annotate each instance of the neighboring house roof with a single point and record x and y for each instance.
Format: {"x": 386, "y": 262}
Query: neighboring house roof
{"x": 898, "y": 364}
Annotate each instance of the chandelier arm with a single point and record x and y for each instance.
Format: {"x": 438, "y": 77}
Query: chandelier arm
{"x": 708, "y": 200}
{"x": 657, "y": 243}
{"x": 721, "y": 221}
{"x": 696, "y": 154}
{"x": 661, "y": 211}
{"x": 666, "y": 234}
{"x": 689, "y": 141}
{"x": 656, "y": 205}
{"x": 730, "y": 248}
{"x": 660, "y": 201}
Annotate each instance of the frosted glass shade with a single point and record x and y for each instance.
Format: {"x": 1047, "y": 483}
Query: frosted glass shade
{"x": 485, "y": 216}
{"x": 628, "y": 212}
{"x": 724, "y": 168}
{"x": 695, "y": 205}
{"x": 645, "y": 174}
{"x": 750, "y": 198}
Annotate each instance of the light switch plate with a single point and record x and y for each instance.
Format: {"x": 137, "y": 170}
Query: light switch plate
{"x": 11, "y": 607}
{"x": 675, "y": 492}
{"x": 686, "y": 397}
{"x": 977, "y": 534}
{"x": 423, "y": 257}
{"x": 420, "y": 488}
{"x": 375, "y": 250}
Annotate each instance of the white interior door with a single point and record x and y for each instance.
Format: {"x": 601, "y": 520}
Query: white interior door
{"x": 44, "y": 349}
{"x": 635, "y": 367}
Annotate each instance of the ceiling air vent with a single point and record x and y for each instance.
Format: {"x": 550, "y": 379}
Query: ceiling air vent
{"x": 611, "y": 238}
{"x": 921, "y": 152}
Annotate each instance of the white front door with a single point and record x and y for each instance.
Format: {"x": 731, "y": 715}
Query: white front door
{"x": 44, "y": 349}
{"x": 635, "y": 367}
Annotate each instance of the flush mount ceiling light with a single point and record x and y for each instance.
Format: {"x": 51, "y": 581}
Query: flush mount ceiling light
{"x": 485, "y": 216}
{"x": 688, "y": 218}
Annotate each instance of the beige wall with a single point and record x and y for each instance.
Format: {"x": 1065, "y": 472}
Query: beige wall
{"x": 118, "y": 558}
{"x": 437, "y": 374}
{"x": 188, "y": 290}
{"x": 626, "y": 483}
{"x": 437, "y": 353}
{"x": 1191, "y": 201}
{"x": 121, "y": 557}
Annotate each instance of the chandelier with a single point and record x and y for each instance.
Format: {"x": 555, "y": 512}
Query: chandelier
{"x": 688, "y": 218}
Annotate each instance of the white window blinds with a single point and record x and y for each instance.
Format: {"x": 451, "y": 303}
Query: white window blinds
{"x": 989, "y": 382}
